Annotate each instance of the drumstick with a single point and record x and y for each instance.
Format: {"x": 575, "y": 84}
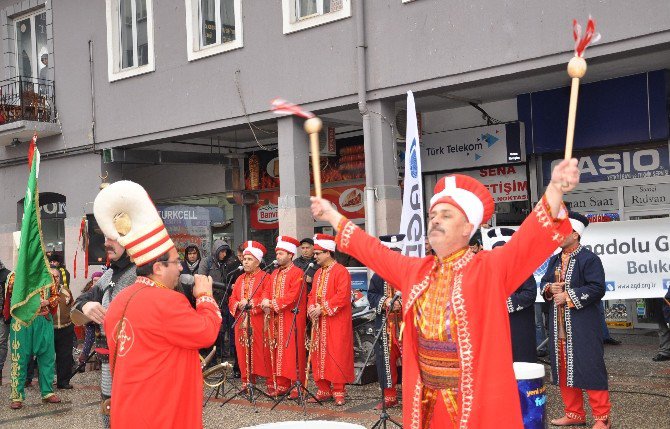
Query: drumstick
{"x": 312, "y": 127}
{"x": 577, "y": 70}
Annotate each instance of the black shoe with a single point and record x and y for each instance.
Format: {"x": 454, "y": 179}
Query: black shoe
{"x": 611, "y": 341}
{"x": 237, "y": 373}
{"x": 660, "y": 358}
{"x": 65, "y": 386}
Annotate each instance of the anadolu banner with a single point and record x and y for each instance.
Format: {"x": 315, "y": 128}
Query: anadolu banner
{"x": 635, "y": 255}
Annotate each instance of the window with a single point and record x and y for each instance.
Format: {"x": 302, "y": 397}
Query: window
{"x": 212, "y": 27}
{"x": 129, "y": 38}
{"x": 32, "y": 55}
{"x": 301, "y": 14}
{"x": 311, "y": 8}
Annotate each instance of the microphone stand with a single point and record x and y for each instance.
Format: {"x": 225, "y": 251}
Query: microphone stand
{"x": 383, "y": 415}
{"x": 303, "y": 392}
{"x": 248, "y": 393}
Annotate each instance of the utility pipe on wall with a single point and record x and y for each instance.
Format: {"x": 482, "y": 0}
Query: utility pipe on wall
{"x": 370, "y": 209}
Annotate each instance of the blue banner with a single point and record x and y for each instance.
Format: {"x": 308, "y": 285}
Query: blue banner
{"x": 616, "y": 165}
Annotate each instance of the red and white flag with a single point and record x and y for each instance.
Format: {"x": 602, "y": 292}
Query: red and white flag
{"x": 280, "y": 106}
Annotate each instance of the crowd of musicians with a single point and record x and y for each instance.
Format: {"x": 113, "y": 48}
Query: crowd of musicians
{"x": 444, "y": 315}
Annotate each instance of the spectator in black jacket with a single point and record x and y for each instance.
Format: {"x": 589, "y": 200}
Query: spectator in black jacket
{"x": 306, "y": 258}
{"x": 190, "y": 265}
{"x": 217, "y": 265}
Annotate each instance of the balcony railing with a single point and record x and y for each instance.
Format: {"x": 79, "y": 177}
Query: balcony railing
{"x": 27, "y": 99}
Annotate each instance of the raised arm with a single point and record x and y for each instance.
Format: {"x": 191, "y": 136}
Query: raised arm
{"x": 541, "y": 233}
{"x": 350, "y": 239}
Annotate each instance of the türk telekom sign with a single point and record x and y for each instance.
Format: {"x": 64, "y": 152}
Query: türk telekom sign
{"x": 506, "y": 183}
{"x": 473, "y": 147}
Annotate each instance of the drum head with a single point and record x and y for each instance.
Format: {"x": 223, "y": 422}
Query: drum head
{"x": 321, "y": 424}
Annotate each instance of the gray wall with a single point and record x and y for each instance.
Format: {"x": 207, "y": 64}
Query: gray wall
{"x": 424, "y": 45}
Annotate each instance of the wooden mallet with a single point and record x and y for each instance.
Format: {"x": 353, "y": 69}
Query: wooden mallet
{"x": 577, "y": 70}
{"x": 312, "y": 127}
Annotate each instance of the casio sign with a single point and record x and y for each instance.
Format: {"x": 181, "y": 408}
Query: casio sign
{"x": 622, "y": 162}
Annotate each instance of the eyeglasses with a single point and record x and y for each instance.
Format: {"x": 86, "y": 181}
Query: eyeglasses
{"x": 316, "y": 253}
{"x": 178, "y": 261}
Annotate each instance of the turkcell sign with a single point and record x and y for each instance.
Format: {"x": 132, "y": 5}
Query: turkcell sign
{"x": 473, "y": 147}
{"x": 619, "y": 165}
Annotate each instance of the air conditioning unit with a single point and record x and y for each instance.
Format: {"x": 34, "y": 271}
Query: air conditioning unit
{"x": 400, "y": 124}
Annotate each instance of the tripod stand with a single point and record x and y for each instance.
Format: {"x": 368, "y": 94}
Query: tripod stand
{"x": 302, "y": 391}
{"x": 383, "y": 415}
{"x": 248, "y": 391}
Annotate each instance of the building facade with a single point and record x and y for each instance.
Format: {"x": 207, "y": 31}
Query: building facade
{"x": 176, "y": 96}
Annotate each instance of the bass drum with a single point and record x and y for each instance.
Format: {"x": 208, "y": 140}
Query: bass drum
{"x": 321, "y": 424}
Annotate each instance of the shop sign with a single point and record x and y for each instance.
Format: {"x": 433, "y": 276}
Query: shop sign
{"x": 506, "y": 183}
{"x": 646, "y": 195}
{"x": 619, "y": 165}
{"x": 267, "y": 214}
{"x": 188, "y": 225}
{"x": 597, "y": 200}
{"x": 347, "y": 199}
{"x": 52, "y": 206}
{"x": 472, "y": 147}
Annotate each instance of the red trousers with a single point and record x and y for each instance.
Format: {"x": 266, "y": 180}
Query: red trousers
{"x": 572, "y": 396}
{"x": 325, "y": 387}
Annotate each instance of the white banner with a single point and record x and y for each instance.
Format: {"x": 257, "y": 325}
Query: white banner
{"x": 635, "y": 255}
{"x": 411, "y": 221}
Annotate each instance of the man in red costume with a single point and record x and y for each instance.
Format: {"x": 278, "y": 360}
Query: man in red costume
{"x": 329, "y": 307}
{"x": 280, "y": 297}
{"x": 253, "y": 355}
{"x": 153, "y": 332}
{"x": 457, "y": 357}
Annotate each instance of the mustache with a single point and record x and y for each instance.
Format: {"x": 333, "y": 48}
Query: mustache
{"x": 109, "y": 249}
{"x": 436, "y": 228}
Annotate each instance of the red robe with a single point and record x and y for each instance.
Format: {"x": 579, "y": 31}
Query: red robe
{"x": 488, "y": 394}
{"x": 157, "y": 380}
{"x": 283, "y": 290}
{"x": 244, "y": 287}
{"x": 333, "y": 354}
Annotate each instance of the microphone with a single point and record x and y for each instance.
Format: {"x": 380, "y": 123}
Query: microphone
{"x": 239, "y": 268}
{"x": 395, "y": 298}
{"x": 188, "y": 280}
{"x": 272, "y": 264}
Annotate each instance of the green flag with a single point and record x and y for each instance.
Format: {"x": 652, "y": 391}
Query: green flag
{"x": 32, "y": 273}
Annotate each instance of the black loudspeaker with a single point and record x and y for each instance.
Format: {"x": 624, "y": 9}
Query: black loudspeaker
{"x": 96, "y": 243}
